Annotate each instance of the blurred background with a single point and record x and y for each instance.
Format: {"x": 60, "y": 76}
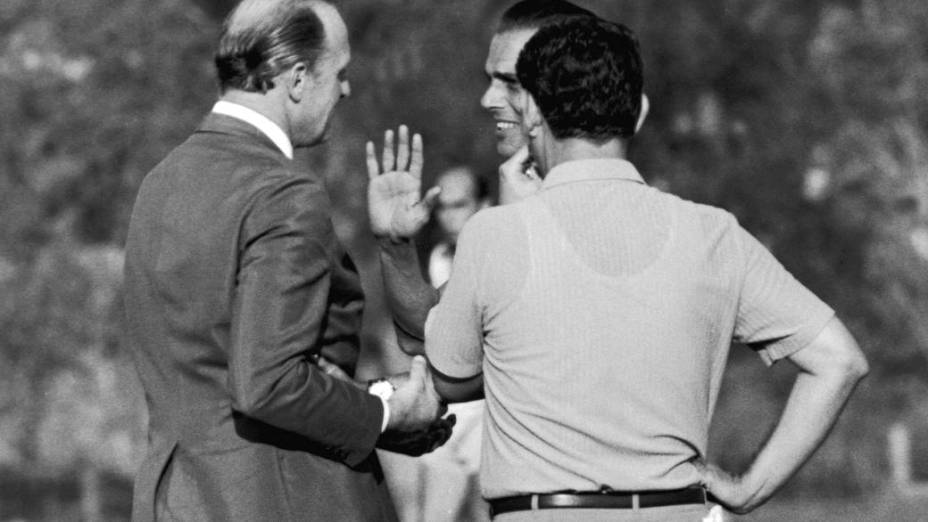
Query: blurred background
{"x": 805, "y": 118}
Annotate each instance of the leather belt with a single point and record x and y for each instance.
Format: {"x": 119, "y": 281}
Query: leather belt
{"x": 598, "y": 500}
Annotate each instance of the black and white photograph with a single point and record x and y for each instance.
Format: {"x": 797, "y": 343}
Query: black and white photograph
{"x": 463, "y": 260}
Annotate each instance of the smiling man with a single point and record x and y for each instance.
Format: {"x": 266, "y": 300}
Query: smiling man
{"x": 395, "y": 222}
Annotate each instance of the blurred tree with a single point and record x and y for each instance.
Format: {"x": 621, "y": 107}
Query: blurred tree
{"x": 806, "y": 119}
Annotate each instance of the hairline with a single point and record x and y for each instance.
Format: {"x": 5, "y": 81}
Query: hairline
{"x": 254, "y": 19}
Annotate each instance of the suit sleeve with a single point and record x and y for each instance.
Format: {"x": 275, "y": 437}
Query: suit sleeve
{"x": 288, "y": 251}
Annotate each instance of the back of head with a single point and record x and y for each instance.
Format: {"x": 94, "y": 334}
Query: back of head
{"x": 262, "y": 38}
{"x": 532, "y": 14}
{"x": 585, "y": 75}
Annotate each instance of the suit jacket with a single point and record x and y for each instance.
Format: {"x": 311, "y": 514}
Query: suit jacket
{"x": 235, "y": 280}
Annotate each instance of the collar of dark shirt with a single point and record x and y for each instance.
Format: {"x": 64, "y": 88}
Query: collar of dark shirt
{"x": 592, "y": 170}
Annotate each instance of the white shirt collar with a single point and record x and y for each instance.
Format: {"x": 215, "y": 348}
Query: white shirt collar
{"x": 258, "y": 120}
{"x": 591, "y": 170}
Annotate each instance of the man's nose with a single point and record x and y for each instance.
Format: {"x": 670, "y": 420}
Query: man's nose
{"x": 490, "y": 98}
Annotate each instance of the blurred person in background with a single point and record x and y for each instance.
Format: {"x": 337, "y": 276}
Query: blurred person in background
{"x": 243, "y": 309}
{"x": 442, "y": 485}
{"x": 461, "y": 194}
{"x": 597, "y": 315}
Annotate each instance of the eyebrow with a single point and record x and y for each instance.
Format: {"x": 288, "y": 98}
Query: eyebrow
{"x": 508, "y": 78}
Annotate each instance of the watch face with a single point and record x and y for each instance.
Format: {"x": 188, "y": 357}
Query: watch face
{"x": 381, "y": 388}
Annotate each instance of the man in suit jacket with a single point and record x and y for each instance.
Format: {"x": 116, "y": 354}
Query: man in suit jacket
{"x": 243, "y": 309}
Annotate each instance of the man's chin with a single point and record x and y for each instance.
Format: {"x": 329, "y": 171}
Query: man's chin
{"x": 507, "y": 148}
{"x": 312, "y": 141}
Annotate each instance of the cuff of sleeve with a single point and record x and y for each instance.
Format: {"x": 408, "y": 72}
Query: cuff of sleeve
{"x": 771, "y": 354}
{"x": 386, "y": 414}
{"x": 447, "y": 365}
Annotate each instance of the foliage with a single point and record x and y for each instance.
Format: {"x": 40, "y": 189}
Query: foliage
{"x": 805, "y": 118}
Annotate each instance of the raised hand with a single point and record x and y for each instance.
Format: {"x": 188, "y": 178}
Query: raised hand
{"x": 396, "y": 210}
{"x": 518, "y": 177}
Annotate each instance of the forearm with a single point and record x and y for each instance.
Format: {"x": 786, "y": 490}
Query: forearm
{"x": 408, "y": 294}
{"x": 811, "y": 411}
{"x": 334, "y": 412}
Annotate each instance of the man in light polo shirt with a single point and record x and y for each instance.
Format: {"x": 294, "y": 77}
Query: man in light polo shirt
{"x": 597, "y": 315}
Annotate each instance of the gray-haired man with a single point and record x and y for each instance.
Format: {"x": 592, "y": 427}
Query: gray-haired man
{"x": 243, "y": 309}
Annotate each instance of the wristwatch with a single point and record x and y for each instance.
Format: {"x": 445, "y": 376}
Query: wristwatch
{"x": 381, "y": 388}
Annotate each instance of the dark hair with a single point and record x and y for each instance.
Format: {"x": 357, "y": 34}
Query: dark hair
{"x": 532, "y": 14}
{"x": 260, "y": 40}
{"x": 585, "y": 75}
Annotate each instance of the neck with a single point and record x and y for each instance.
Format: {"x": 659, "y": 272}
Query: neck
{"x": 555, "y": 152}
{"x": 265, "y": 104}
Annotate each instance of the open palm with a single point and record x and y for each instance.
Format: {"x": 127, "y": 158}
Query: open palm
{"x": 394, "y": 204}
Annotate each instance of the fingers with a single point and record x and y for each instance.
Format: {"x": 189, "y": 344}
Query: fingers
{"x": 402, "y": 148}
{"x": 332, "y": 369}
{"x": 519, "y": 157}
{"x": 441, "y": 430}
{"x": 415, "y": 166}
{"x": 389, "y": 160}
{"x": 515, "y": 165}
{"x": 396, "y": 156}
{"x": 531, "y": 171}
{"x": 700, "y": 466}
{"x": 517, "y": 178}
{"x": 707, "y": 472}
{"x": 440, "y": 438}
{"x": 373, "y": 168}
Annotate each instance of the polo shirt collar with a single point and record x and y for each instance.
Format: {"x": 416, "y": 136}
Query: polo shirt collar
{"x": 591, "y": 170}
{"x": 259, "y": 121}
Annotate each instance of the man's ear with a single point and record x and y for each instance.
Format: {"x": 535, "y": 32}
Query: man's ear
{"x": 531, "y": 114}
{"x": 298, "y": 80}
{"x": 645, "y": 107}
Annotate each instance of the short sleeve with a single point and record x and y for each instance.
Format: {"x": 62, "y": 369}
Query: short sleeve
{"x": 777, "y": 315}
{"x": 454, "y": 330}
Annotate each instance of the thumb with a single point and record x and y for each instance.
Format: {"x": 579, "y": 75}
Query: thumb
{"x": 418, "y": 370}
{"x": 431, "y": 196}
